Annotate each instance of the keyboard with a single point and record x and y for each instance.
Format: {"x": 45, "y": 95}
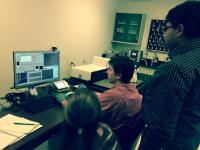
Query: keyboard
{"x": 40, "y": 104}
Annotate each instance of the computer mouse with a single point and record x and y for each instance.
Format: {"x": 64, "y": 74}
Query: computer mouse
{"x": 69, "y": 93}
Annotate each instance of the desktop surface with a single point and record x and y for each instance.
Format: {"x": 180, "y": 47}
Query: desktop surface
{"x": 51, "y": 119}
{"x": 104, "y": 83}
{"x": 99, "y": 86}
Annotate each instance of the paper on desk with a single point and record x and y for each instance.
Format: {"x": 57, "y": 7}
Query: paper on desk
{"x": 11, "y": 132}
{"x": 6, "y": 140}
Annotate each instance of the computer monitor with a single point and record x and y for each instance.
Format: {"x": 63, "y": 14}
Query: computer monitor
{"x": 35, "y": 67}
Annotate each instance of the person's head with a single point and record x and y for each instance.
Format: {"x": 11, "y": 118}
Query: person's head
{"x": 82, "y": 115}
{"x": 121, "y": 68}
{"x": 182, "y": 24}
{"x": 83, "y": 110}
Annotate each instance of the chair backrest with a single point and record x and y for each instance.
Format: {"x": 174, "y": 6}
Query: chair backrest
{"x": 142, "y": 87}
{"x": 129, "y": 133}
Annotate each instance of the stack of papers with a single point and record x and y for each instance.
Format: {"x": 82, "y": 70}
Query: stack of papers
{"x": 13, "y": 128}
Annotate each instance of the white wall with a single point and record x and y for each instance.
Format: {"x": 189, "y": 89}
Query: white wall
{"x": 153, "y": 9}
{"x": 79, "y": 28}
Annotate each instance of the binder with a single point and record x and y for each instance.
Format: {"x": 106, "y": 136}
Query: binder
{"x": 14, "y": 128}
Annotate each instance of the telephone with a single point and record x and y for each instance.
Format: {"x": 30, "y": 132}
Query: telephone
{"x": 15, "y": 97}
{"x": 61, "y": 85}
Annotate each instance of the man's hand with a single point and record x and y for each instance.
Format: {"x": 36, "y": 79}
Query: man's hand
{"x": 62, "y": 98}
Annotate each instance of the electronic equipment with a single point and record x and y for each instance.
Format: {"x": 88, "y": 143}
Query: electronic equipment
{"x": 42, "y": 101}
{"x": 35, "y": 67}
{"x": 16, "y": 98}
{"x": 32, "y": 68}
{"x": 61, "y": 85}
{"x": 136, "y": 55}
{"x": 91, "y": 72}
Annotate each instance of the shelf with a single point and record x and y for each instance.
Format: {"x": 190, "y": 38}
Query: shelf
{"x": 131, "y": 33}
{"x": 120, "y": 32}
{"x": 121, "y": 23}
{"x": 133, "y": 24}
{"x": 129, "y": 43}
{"x": 164, "y": 52}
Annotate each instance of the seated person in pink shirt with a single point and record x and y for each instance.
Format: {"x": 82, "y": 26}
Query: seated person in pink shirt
{"x": 122, "y": 102}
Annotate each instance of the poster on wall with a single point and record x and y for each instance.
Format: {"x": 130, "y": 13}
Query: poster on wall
{"x": 155, "y": 38}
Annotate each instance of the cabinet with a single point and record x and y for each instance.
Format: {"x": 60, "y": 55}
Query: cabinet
{"x": 128, "y": 28}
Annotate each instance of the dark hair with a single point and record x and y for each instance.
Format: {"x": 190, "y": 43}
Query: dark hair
{"x": 83, "y": 112}
{"x": 123, "y": 66}
{"x": 187, "y": 14}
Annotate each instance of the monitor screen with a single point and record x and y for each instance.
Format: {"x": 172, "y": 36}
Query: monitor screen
{"x": 35, "y": 67}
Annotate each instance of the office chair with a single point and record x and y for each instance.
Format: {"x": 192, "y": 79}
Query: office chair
{"x": 130, "y": 132}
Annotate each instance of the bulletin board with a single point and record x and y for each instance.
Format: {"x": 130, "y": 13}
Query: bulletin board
{"x": 155, "y": 38}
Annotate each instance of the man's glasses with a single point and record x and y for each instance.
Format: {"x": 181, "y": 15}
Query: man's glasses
{"x": 165, "y": 28}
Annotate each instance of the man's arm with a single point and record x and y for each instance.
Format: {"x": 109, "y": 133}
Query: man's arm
{"x": 61, "y": 98}
{"x": 106, "y": 99}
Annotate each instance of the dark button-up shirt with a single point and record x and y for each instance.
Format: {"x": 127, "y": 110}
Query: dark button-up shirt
{"x": 171, "y": 102}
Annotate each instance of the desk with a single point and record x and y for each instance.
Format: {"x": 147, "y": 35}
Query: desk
{"x": 105, "y": 85}
{"x": 145, "y": 73}
{"x": 99, "y": 86}
{"x": 51, "y": 119}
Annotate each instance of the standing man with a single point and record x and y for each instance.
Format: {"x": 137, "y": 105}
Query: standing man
{"x": 171, "y": 102}
{"x": 123, "y": 101}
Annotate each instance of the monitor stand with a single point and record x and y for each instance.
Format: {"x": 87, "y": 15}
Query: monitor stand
{"x": 33, "y": 91}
